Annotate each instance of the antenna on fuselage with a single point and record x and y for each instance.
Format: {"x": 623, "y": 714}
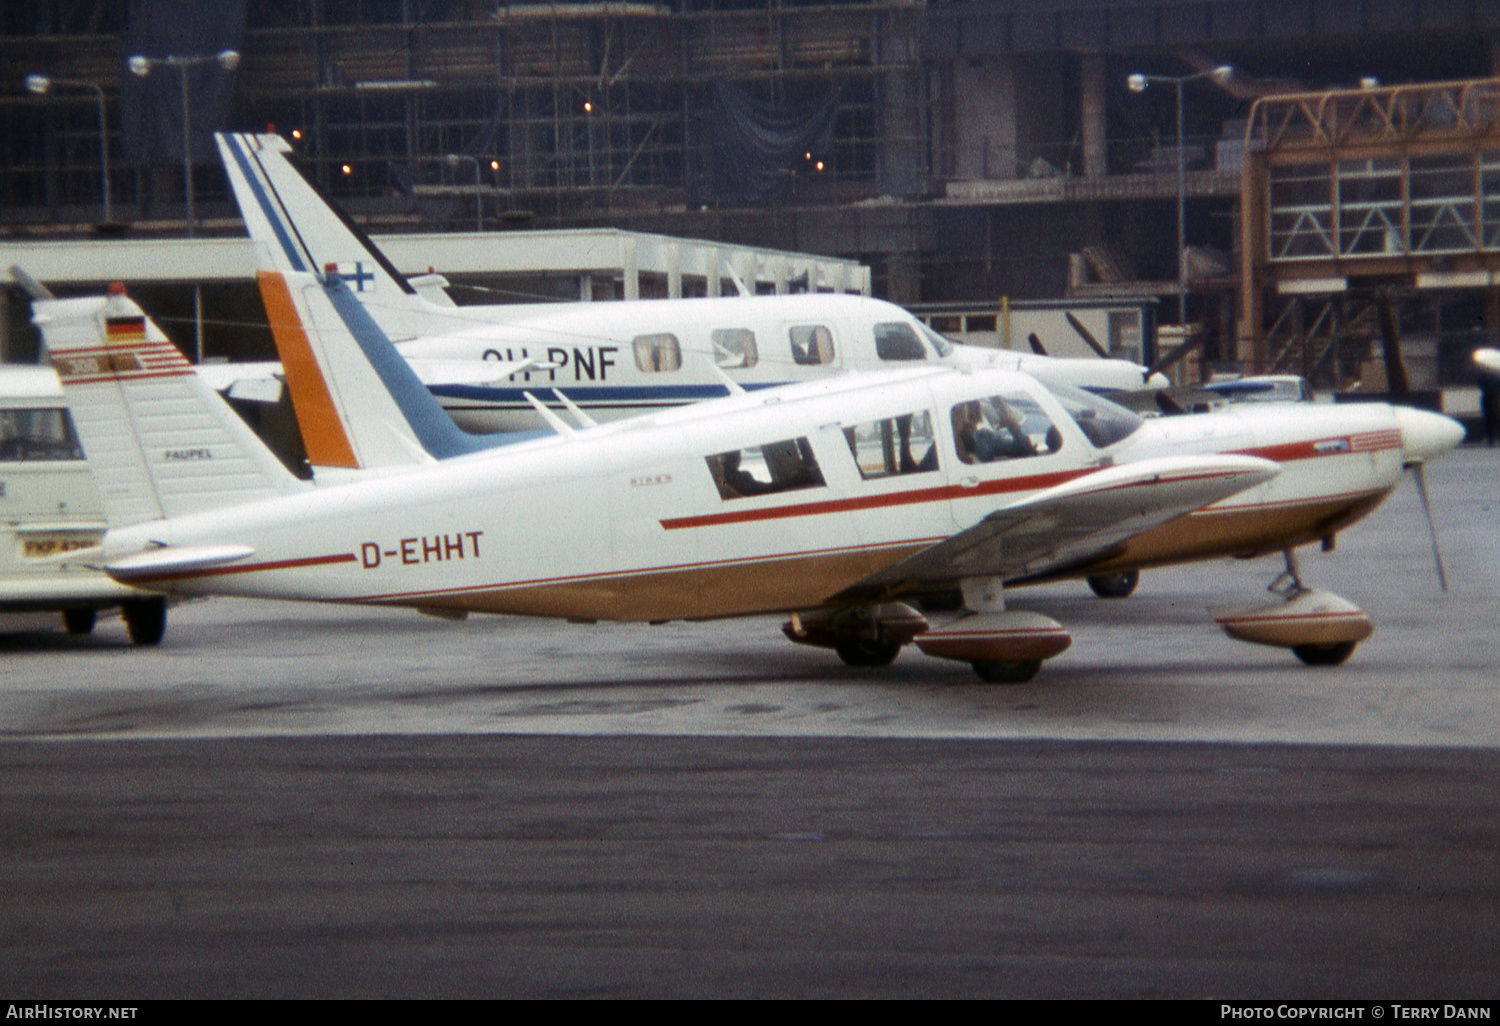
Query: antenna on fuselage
{"x": 735, "y": 388}
{"x": 584, "y": 420}
{"x": 559, "y": 425}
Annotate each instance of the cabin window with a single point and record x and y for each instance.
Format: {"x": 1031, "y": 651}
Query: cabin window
{"x": 812, "y": 344}
{"x": 896, "y": 341}
{"x": 734, "y": 347}
{"x": 35, "y": 435}
{"x": 660, "y": 352}
{"x": 1003, "y": 428}
{"x": 765, "y": 469}
{"x": 896, "y": 445}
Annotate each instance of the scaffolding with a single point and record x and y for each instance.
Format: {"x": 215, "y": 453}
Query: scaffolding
{"x": 527, "y": 109}
{"x": 1347, "y": 191}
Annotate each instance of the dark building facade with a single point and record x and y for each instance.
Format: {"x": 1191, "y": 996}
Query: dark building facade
{"x": 965, "y": 150}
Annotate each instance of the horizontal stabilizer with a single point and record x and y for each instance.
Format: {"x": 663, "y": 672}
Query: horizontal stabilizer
{"x": 159, "y": 440}
{"x": 169, "y": 560}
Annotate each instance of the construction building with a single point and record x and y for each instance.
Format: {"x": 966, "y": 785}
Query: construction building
{"x": 965, "y": 151}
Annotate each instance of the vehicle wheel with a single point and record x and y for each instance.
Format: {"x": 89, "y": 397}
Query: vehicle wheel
{"x": 145, "y": 620}
{"x": 1324, "y": 655}
{"x": 79, "y": 621}
{"x": 864, "y": 652}
{"x": 1117, "y": 585}
{"x": 1007, "y": 673}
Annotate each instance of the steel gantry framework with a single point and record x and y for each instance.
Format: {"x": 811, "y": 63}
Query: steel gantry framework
{"x": 1346, "y": 190}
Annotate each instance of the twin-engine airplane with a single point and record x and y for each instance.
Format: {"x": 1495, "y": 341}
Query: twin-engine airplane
{"x": 837, "y": 501}
{"x": 615, "y": 359}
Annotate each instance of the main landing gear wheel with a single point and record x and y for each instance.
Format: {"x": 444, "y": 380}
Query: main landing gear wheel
{"x": 1333, "y": 654}
{"x": 1007, "y": 673}
{"x": 867, "y": 652}
{"x": 145, "y": 620}
{"x": 1116, "y": 585}
{"x": 79, "y": 621}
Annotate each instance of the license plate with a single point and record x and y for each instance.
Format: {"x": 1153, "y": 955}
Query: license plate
{"x": 40, "y": 548}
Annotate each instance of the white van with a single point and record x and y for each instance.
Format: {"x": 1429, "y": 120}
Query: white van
{"x": 49, "y": 505}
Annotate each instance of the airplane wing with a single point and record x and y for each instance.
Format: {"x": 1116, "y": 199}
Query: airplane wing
{"x": 434, "y": 373}
{"x": 263, "y": 381}
{"x": 171, "y": 560}
{"x": 1069, "y": 524}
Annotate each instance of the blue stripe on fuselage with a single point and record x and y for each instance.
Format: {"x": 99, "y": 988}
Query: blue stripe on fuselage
{"x": 584, "y": 395}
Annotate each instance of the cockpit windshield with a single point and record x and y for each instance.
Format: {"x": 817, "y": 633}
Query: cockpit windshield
{"x": 943, "y": 346}
{"x": 1102, "y": 422}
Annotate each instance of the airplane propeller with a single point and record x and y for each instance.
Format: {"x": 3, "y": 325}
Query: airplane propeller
{"x": 1086, "y": 335}
{"x": 1036, "y": 344}
{"x": 1398, "y": 384}
{"x": 1397, "y": 381}
{"x": 1177, "y": 352}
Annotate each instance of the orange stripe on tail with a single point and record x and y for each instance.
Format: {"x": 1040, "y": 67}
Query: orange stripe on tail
{"x": 323, "y": 433}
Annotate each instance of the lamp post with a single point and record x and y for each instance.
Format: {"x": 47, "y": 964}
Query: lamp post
{"x": 454, "y": 160}
{"x": 42, "y": 85}
{"x": 141, "y": 67}
{"x": 1138, "y": 84}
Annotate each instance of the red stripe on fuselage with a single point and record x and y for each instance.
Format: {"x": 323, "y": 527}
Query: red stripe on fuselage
{"x": 921, "y": 495}
{"x": 1289, "y": 452}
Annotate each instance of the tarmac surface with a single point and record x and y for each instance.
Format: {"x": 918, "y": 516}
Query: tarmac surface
{"x": 306, "y": 801}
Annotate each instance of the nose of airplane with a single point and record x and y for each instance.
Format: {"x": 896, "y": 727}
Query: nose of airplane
{"x": 1425, "y": 434}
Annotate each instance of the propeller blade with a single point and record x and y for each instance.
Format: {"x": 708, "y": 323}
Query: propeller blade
{"x": 1419, "y": 472}
{"x": 1168, "y": 406}
{"x": 1397, "y": 382}
{"x": 1177, "y": 353}
{"x": 1036, "y": 345}
{"x": 1085, "y": 334}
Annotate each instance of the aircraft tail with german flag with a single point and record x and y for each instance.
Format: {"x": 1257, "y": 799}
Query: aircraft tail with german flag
{"x": 160, "y": 441}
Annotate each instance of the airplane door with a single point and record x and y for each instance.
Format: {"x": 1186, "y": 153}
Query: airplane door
{"x": 897, "y": 483}
{"x": 1002, "y": 447}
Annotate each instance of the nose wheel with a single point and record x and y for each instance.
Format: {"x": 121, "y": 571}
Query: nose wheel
{"x": 1320, "y": 628}
{"x": 1020, "y": 672}
{"x": 1334, "y": 654}
{"x": 1116, "y": 585}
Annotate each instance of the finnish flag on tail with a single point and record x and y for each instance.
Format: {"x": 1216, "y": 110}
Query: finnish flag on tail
{"x": 358, "y": 275}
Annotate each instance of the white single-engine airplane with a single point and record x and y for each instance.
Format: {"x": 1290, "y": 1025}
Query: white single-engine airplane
{"x": 837, "y": 501}
{"x": 615, "y": 359}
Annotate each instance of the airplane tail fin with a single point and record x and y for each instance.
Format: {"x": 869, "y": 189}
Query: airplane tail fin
{"x": 160, "y": 441}
{"x": 360, "y": 406}
{"x": 298, "y": 229}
